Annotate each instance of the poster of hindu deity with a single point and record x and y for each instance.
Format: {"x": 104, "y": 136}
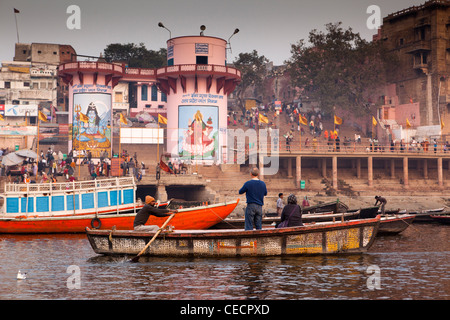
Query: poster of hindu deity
{"x": 198, "y": 134}
{"x": 91, "y": 127}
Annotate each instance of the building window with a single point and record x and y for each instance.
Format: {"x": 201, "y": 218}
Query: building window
{"x": 154, "y": 93}
{"x": 202, "y": 59}
{"x": 7, "y": 85}
{"x": 163, "y": 97}
{"x": 118, "y": 97}
{"x": 16, "y": 102}
{"x": 148, "y": 105}
{"x": 170, "y": 62}
{"x": 26, "y": 84}
{"x": 144, "y": 93}
{"x": 160, "y": 106}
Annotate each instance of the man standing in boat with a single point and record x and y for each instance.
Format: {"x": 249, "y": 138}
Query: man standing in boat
{"x": 382, "y": 201}
{"x": 147, "y": 210}
{"x": 255, "y": 190}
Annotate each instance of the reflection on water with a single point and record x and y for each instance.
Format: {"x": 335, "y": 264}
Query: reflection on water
{"x": 413, "y": 265}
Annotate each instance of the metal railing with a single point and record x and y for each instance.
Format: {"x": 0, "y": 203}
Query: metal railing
{"x": 49, "y": 187}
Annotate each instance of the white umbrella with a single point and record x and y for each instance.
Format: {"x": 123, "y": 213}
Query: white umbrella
{"x": 12, "y": 159}
{"x": 26, "y": 153}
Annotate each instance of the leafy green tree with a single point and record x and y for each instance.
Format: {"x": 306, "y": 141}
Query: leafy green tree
{"x": 136, "y": 56}
{"x": 339, "y": 68}
{"x": 253, "y": 72}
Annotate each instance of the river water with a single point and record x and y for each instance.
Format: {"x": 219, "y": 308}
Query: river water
{"x": 413, "y": 265}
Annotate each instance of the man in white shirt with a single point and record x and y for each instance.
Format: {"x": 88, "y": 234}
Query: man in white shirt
{"x": 280, "y": 204}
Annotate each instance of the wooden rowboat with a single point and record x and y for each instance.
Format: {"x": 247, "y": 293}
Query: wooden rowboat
{"x": 354, "y": 236}
{"x": 239, "y": 223}
{"x": 443, "y": 218}
{"x": 389, "y": 224}
{"x": 190, "y": 218}
{"x": 394, "y": 224}
{"x": 334, "y": 206}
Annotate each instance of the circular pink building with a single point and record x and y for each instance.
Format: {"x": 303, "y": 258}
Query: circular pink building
{"x": 197, "y": 82}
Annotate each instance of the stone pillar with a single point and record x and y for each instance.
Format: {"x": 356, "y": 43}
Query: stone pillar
{"x": 440, "y": 172}
{"x": 289, "y": 164}
{"x": 298, "y": 170}
{"x": 425, "y": 168}
{"x": 335, "y": 183}
{"x": 392, "y": 168}
{"x": 161, "y": 193}
{"x": 370, "y": 171}
{"x": 324, "y": 167}
{"x": 358, "y": 168}
{"x": 405, "y": 172}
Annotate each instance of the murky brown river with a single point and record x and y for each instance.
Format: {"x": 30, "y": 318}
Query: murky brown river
{"x": 412, "y": 265}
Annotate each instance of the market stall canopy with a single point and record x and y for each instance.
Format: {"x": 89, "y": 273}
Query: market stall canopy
{"x": 26, "y": 153}
{"x": 12, "y": 159}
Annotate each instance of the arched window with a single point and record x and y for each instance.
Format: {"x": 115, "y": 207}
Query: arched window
{"x": 154, "y": 93}
{"x": 144, "y": 91}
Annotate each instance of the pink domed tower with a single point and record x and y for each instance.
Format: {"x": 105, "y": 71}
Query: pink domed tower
{"x": 197, "y": 82}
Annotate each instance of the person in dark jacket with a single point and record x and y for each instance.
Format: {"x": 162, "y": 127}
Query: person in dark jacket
{"x": 292, "y": 212}
{"x": 147, "y": 210}
{"x": 382, "y": 202}
{"x": 255, "y": 190}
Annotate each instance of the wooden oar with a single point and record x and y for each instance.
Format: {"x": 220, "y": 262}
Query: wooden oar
{"x": 136, "y": 259}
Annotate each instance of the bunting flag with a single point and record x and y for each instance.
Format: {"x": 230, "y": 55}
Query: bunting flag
{"x": 123, "y": 119}
{"x": 1, "y": 118}
{"x": 263, "y": 119}
{"x": 442, "y": 124}
{"x": 16, "y": 11}
{"x": 84, "y": 118}
{"x": 161, "y": 119}
{"x": 164, "y": 166}
{"x": 303, "y": 120}
{"x": 408, "y": 125}
{"x": 337, "y": 120}
{"x": 42, "y": 117}
{"x": 374, "y": 121}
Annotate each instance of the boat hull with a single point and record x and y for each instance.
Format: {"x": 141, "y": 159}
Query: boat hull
{"x": 239, "y": 223}
{"x": 322, "y": 238}
{"x": 190, "y": 218}
{"x": 395, "y": 224}
{"x": 442, "y": 218}
{"x": 335, "y": 207}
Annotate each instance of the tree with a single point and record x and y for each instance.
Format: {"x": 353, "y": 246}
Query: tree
{"x": 253, "y": 72}
{"x": 339, "y": 68}
{"x": 136, "y": 56}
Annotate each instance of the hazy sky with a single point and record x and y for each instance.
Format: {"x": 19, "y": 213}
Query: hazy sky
{"x": 270, "y": 27}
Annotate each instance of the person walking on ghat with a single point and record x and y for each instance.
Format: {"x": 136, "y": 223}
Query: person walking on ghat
{"x": 147, "y": 210}
{"x": 280, "y": 204}
{"x": 382, "y": 201}
{"x": 255, "y": 191}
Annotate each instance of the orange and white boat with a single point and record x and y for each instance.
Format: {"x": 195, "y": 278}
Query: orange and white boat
{"x": 202, "y": 217}
{"x": 99, "y": 204}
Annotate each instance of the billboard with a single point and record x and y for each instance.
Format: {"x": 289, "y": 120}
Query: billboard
{"x": 21, "y": 110}
{"x": 198, "y": 132}
{"x": 91, "y": 122}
